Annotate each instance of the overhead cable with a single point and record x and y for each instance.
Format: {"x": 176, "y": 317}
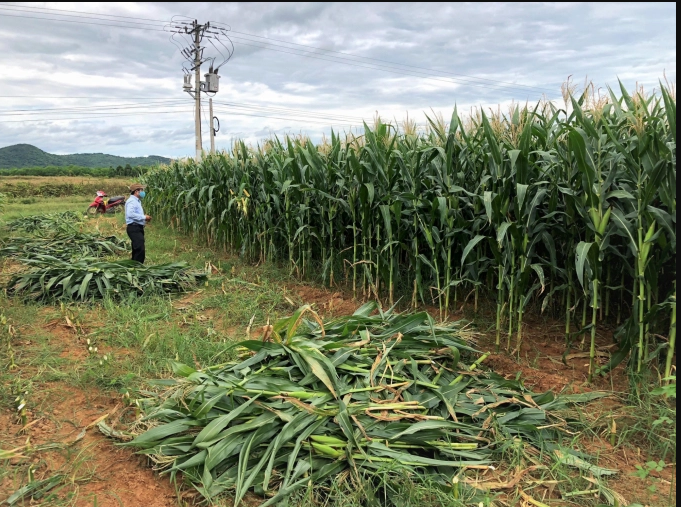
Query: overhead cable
{"x": 335, "y": 59}
{"x": 231, "y": 111}
{"x": 79, "y": 12}
{"x": 180, "y": 103}
{"x": 346, "y": 59}
{"x": 316, "y": 48}
{"x": 83, "y": 22}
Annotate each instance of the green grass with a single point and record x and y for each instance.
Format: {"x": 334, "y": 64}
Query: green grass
{"x": 140, "y": 336}
{"x": 14, "y": 208}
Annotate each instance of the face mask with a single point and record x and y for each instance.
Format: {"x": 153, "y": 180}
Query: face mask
{"x": 142, "y": 194}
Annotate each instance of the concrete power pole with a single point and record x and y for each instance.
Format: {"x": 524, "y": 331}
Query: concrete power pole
{"x": 197, "y": 98}
{"x": 212, "y": 129}
{"x": 193, "y": 54}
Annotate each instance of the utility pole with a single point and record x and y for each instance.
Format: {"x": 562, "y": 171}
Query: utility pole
{"x": 197, "y": 89}
{"x": 212, "y": 129}
{"x": 192, "y": 33}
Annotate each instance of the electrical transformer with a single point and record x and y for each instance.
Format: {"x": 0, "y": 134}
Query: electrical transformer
{"x": 212, "y": 82}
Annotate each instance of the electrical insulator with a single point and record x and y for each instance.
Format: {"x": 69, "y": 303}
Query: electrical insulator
{"x": 187, "y": 85}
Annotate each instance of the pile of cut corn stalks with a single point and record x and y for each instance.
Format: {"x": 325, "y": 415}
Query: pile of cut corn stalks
{"x": 307, "y": 400}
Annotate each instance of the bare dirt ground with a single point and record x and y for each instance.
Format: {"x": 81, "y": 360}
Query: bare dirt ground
{"x": 100, "y": 472}
{"x": 62, "y": 437}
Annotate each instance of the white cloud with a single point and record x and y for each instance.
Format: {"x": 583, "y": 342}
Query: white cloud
{"x": 503, "y": 46}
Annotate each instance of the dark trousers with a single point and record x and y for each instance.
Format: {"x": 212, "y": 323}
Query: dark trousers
{"x": 136, "y": 235}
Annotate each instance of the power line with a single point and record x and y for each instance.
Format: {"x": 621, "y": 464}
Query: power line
{"x": 106, "y": 106}
{"x": 81, "y": 97}
{"x": 94, "y": 113}
{"x": 48, "y": 116}
{"x": 103, "y": 115}
{"x": 96, "y": 17}
{"x": 347, "y": 59}
{"x": 231, "y": 111}
{"x": 84, "y": 22}
{"x": 301, "y": 116}
{"x": 105, "y": 111}
{"x": 289, "y": 118}
{"x": 80, "y": 12}
{"x": 299, "y": 112}
{"x": 465, "y": 76}
{"x": 235, "y": 108}
{"x": 116, "y": 115}
{"x": 181, "y": 102}
{"x": 371, "y": 66}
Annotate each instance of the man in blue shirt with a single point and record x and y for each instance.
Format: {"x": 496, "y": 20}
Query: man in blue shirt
{"x": 135, "y": 220}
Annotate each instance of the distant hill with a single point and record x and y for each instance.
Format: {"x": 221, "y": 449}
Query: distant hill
{"x": 26, "y": 155}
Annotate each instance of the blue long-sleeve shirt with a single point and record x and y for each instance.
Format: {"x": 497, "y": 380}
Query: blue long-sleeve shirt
{"x": 134, "y": 214}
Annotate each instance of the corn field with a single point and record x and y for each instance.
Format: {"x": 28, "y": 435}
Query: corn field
{"x": 568, "y": 211}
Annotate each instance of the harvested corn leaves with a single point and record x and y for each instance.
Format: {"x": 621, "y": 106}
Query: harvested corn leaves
{"x": 46, "y": 222}
{"x": 65, "y": 245}
{"x": 307, "y": 401}
{"x": 89, "y": 278}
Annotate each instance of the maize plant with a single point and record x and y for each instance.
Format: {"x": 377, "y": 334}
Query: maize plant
{"x": 309, "y": 400}
{"x": 567, "y": 211}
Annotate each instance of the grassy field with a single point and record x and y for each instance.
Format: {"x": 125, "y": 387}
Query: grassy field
{"x": 40, "y": 180}
{"x": 27, "y": 187}
{"x": 45, "y": 362}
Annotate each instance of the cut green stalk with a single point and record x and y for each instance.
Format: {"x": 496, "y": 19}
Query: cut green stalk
{"x": 643, "y": 250}
{"x": 585, "y": 304}
{"x": 592, "y": 348}
{"x": 672, "y": 339}
{"x": 500, "y": 297}
{"x": 511, "y": 297}
{"x": 568, "y": 311}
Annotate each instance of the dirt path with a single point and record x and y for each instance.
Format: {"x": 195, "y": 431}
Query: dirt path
{"x": 61, "y": 437}
{"x": 99, "y": 473}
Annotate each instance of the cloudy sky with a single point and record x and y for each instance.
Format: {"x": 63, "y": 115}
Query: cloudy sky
{"x": 106, "y": 77}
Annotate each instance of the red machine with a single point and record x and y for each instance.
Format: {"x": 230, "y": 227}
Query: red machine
{"x": 105, "y": 204}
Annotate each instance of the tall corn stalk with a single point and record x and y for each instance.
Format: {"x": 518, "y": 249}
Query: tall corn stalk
{"x": 406, "y": 215}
